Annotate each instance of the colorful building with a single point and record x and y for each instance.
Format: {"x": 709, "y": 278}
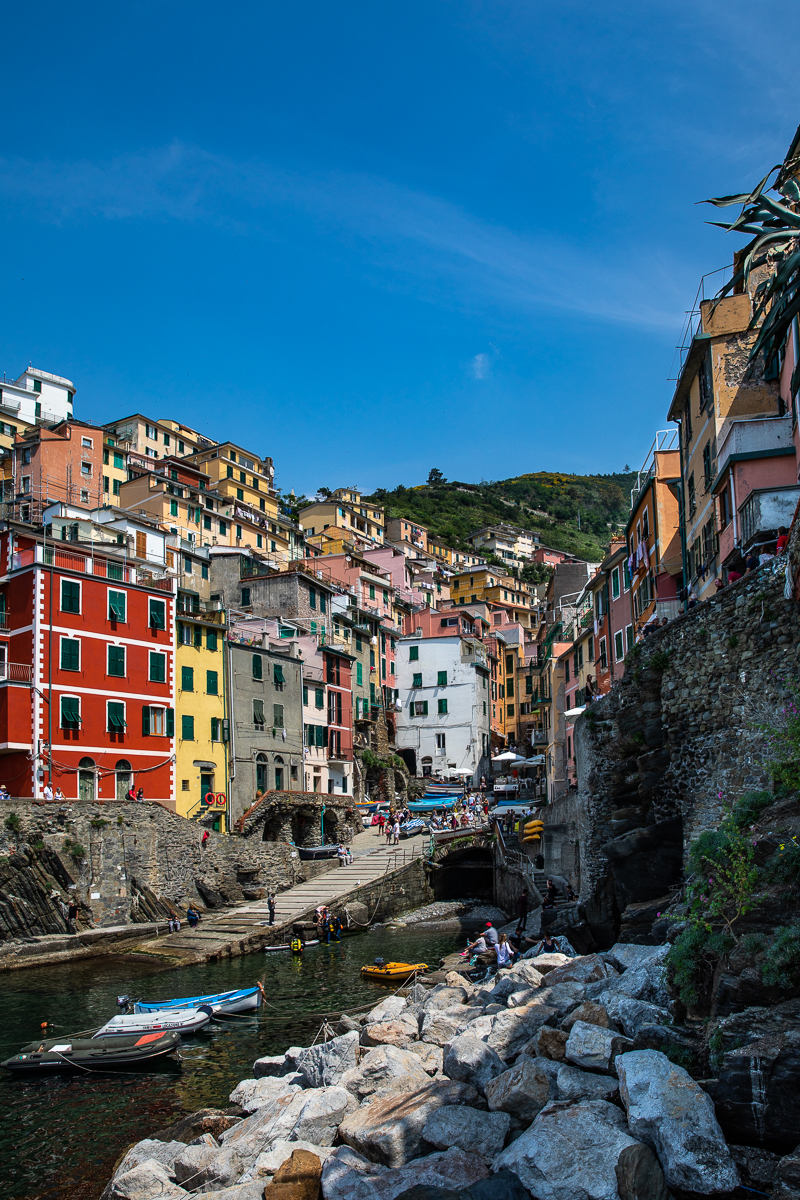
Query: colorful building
{"x": 348, "y": 513}
{"x": 653, "y": 532}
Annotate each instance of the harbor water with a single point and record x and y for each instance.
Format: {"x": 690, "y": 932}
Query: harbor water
{"x": 61, "y": 1136}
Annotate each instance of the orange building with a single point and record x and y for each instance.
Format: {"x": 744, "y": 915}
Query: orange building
{"x": 653, "y": 533}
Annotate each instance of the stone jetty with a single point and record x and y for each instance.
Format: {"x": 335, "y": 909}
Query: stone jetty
{"x": 548, "y": 1080}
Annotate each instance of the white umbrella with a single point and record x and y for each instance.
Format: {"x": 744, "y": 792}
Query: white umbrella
{"x": 572, "y": 713}
{"x": 509, "y": 756}
{"x": 460, "y": 771}
{"x": 536, "y": 761}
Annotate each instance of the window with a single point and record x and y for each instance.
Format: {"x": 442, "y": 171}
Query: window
{"x": 157, "y": 614}
{"x": 509, "y": 710}
{"x": 615, "y": 584}
{"x": 705, "y": 382}
{"x": 158, "y": 667}
{"x": 441, "y": 741}
{"x": 566, "y": 670}
{"x": 215, "y": 731}
{"x": 509, "y": 687}
{"x": 70, "y": 654}
{"x": 116, "y": 716}
{"x": 359, "y": 674}
{"x": 187, "y": 728}
{"x": 70, "y": 596}
{"x": 239, "y": 494}
{"x": 212, "y": 681}
{"x": 106, "y": 482}
{"x": 707, "y": 465}
{"x": 228, "y": 472}
{"x": 372, "y": 591}
{"x": 441, "y": 679}
{"x": 187, "y": 679}
{"x": 619, "y": 649}
{"x": 626, "y": 577}
{"x": 245, "y": 597}
{"x": 628, "y": 637}
{"x": 239, "y": 532}
{"x": 277, "y": 676}
{"x": 323, "y": 599}
{"x": 687, "y": 424}
{"x": 277, "y": 716}
{"x": 242, "y": 477}
{"x": 223, "y": 528}
{"x": 116, "y": 606}
{"x": 442, "y": 707}
{"x": 413, "y": 653}
{"x": 207, "y": 523}
{"x": 312, "y": 597}
{"x": 603, "y": 655}
{"x": 258, "y": 667}
{"x": 86, "y": 469}
{"x": 166, "y": 439}
{"x": 258, "y": 713}
{"x": 211, "y": 639}
{"x": 419, "y": 708}
{"x": 116, "y": 660}
{"x": 417, "y": 680}
{"x": 691, "y": 496}
{"x": 70, "y": 712}
{"x": 259, "y": 541}
{"x": 319, "y": 697}
{"x": 115, "y": 487}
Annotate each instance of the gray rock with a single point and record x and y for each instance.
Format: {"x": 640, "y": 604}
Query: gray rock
{"x": 515, "y": 980}
{"x": 241, "y": 1191}
{"x": 325, "y": 1064}
{"x": 757, "y": 1168}
{"x": 346, "y": 1024}
{"x": 388, "y": 1129}
{"x": 321, "y": 1114}
{"x": 591, "y": 1013}
{"x": 164, "y": 1153}
{"x": 545, "y": 963}
{"x": 646, "y": 982}
{"x": 207, "y": 1168}
{"x": 349, "y": 1176}
{"x": 470, "y": 1060}
{"x": 457, "y": 1125}
{"x": 787, "y": 1177}
{"x": 512, "y": 1029}
{"x": 594, "y": 1048}
{"x": 439, "y": 1028}
{"x": 146, "y": 1181}
{"x": 431, "y": 1057}
{"x": 549, "y": 1043}
{"x": 397, "y": 1032}
{"x": 573, "y": 1085}
{"x": 624, "y": 955}
{"x": 522, "y": 1091}
{"x": 635, "y": 1015}
{"x": 446, "y": 997}
{"x": 252, "y": 1094}
{"x": 586, "y": 969}
{"x": 312, "y": 1116}
{"x": 381, "y": 1065}
{"x": 270, "y": 1065}
{"x": 387, "y": 1010}
{"x": 672, "y": 1114}
{"x": 574, "y": 1153}
{"x": 267, "y": 1163}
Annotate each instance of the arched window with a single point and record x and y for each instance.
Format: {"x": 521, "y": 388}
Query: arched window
{"x": 261, "y": 772}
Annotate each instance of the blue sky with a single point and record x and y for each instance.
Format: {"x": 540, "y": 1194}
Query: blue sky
{"x": 368, "y": 239}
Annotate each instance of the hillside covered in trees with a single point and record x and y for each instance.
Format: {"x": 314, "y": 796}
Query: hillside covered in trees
{"x": 577, "y": 513}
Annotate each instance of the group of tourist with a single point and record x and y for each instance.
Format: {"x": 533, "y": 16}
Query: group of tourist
{"x": 329, "y": 927}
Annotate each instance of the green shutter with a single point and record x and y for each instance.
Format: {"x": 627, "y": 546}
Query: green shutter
{"x": 187, "y": 728}
{"x": 211, "y": 639}
{"x": 278, "y": 673}
{"x": 305, "y": 694}
{"x": 441, "y": 679}
{"x": 258, "y": 713}
{"x": 198, "y": 637}
{"x": 116, "y": 606}
{"x": 442, "y": 707}
{"x": 171, "y": 722}
{"x": 70, "y": 596}
{"x": 116, "y": 660}
{"x": 158, "y": 667}
{"x": 157, "y": 617}
{"x": 215, "y": 729}
{"x": 211, "y": 683}
{"x": 359, "y": 675}
{"x": 322, "y": 737}
{"x": 70, "y": 712}
{"x": 322, "y": 602}
{"x": 258, "y": 667}
{"x": 187, "y": 679}
{"x": 70, "y": 654}
{"x": 116, "y": 717}
{"x": 277, "y": 716}
{"x": 413, "y": 653}
{"x": 145, "y": 720}
{"x": 319, "y": 697}
{"x": 424, "y": 708}
{"x": 417, "y": 681}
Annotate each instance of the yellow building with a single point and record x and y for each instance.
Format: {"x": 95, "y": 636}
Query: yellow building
{"x": 345, "y": 510}
{"x": 115, "y": 470}
{"x": 201, "y": 707}
{"x": 148, "y": 438}
{"x": 485, "y": 583}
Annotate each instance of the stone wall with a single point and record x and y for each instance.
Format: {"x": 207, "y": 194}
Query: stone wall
{"x": 677, "y": 731}
{"x": 134, "y": 862}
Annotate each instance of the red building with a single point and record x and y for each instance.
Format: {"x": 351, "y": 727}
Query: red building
{"x": 340, "y": 715}
{"x": 86, "y": 672}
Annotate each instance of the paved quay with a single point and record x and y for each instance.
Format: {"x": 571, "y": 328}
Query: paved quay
{"x": 246, "y": 928}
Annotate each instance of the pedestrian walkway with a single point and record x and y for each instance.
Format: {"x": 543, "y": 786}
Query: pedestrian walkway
{"x": 225, "y": 933}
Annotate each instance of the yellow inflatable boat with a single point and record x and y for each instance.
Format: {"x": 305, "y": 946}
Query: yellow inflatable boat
{"x": 392, "y": 972}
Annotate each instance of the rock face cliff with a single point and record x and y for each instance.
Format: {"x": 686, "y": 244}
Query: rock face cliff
{"x": 676, "y": 734}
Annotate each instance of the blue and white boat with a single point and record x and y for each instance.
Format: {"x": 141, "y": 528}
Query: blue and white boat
{"x": 429, "y": 805}
{"x": 242, "y": 1000}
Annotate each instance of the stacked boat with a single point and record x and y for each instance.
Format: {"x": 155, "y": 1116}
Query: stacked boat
{"x": 143, "y": 1031}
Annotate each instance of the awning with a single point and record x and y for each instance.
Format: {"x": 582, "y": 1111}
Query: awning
{"x": 572, "y": 713}
{"x": 278, "y": 673}
{"x": 509, "y": 756}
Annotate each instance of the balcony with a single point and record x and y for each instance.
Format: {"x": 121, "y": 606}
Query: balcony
{"x": 767, "y": 436}
{"x": 766, "y": 509}
{"x": 15, "y": 672}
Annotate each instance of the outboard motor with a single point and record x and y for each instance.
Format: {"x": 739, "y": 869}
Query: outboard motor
{"x": 379, "y": 962}
{"x": 123, "y": 1002}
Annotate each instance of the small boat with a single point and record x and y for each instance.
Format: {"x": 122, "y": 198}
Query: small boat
{"x": 312, "y": 852}
{"x": 431, "y": 803}
{"x": 182, "y": 1020}
{"x": 51, "y": 1055}
{"x": 243, "y": 1000}
{"x": 383, "y": 972}
{"x": 411, "y": 828}
{"x": 288, "y": 946}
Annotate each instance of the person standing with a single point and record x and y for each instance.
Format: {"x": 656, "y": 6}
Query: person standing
{"x": 72, "y": 915}
{"x": 522, "y": 910}
{"x": 204, "y": 838}
{"x": 48, "y": 791}
{"x": 381, "y": 823}
{"x": 396, "y": 833}
{"x": 271, "y": 907}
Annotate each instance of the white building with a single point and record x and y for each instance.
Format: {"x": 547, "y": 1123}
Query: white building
{"x": 444, "y": 690}
{"x": 38, "y": 396}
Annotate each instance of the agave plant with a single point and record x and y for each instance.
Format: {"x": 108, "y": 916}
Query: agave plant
{"x": 775, "y": 227}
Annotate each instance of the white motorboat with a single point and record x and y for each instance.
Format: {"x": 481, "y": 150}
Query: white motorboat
{"x": 179, "y": 1020}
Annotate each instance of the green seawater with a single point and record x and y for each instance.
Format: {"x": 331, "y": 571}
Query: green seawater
{"x": 60, "y": 1136}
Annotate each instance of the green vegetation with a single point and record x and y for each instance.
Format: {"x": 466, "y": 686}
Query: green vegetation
{"x": 782, "y": 736}
{"x": 371, "y": 759}
{"x": 660, "y": 660}
{"x": 546, "y": 502}
{"x": 74, "y": 848}
{"x": 781, "y": 963}
{"x": 13, "y": 824}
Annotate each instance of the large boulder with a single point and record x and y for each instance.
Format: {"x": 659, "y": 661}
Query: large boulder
{"x": 522, "y": 1091}
{"x": 387, "y": 1010}
{"x": 512, "y": 1029}
{"x": 787, "y": 1177}
{"x": 573, "y": 1085}
{"x": 586, "y": 969}
{"x": 624, "y": 955}
{"x": 325, "y": 1064}
{"x": 270, "y": 1160}
{"x": 145, "y": 1182}
{"x": 591, "y": 1013}
{"x": 206, "y": 1168}
{"x": 757, "y": 1097}
{"x": 445, "y": 997}
{"x": 320, "y": 1116}
{"x": 594, "y": 1048}
{"x": 149, "y": 1150}
{"x": 397, "y": 1032}
{"x": 193, "y": 1125}
{"x": 544, "y": 963}
{"x": 468, "y": 1129}
{"x": 313, "y": 1116}
{"x": 431, "y": 1057}
{"x": 298, "y": 1178}
{"x": 388, "y": 1129}
{"x": 379, "y": 1067}
{"x": 549, "y": 1043}
{"x": 672, "y": 1114}
{"x": 583, "y": 1152}
{"x": 252, "y": 1094}
{"x": 645, "y": 982}
{"x": 522, "y": 977}
{"x": 440, "y": 1027}
{"x": 470, "y": 1060}
{"x": 349, "y": 1176}
{"x": 635, "y": 1015}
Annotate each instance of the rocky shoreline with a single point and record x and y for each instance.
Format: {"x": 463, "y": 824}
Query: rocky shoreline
{"x": 548, "y": 1081}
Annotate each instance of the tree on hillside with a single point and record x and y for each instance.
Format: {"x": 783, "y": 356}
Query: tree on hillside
{"x": 324, "y": 493}
{"x": 436, "y": 476}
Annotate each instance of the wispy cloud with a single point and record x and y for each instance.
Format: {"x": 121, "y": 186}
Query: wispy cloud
{"x": 460, "y": 259}
{"x": 480, "y": 366}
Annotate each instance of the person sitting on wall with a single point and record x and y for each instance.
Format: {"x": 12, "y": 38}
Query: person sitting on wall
{"x": 783, "y": 540}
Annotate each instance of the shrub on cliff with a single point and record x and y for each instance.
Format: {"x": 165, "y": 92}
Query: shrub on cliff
{"x": 781, "y": 965}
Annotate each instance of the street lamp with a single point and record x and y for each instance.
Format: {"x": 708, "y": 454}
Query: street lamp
{"x": 322, "y": 824}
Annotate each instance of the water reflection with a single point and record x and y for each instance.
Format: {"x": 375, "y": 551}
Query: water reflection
{"x": 61, "y": 1136}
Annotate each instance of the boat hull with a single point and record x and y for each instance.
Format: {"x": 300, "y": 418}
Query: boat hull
{"x": 313, "y": 852}
{"x": 393, "y": 972}
{"x": 243, "y": 1000}
{"x": 181, "y": 1020}
{"x": 287, "y": 946}
{"x": 55, "y": 1055}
